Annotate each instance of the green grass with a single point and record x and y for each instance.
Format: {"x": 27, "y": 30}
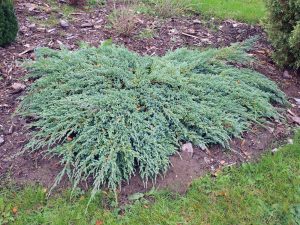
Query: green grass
{"x": 53, "y": 19}
{"x": 250, "y": 11}
{"x": 147, "y": 33}
{"x": 65, "y": 9}
{"x": 267, "y": 192}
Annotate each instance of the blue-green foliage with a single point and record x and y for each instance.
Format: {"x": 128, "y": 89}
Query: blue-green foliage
{"x": 127, "y": 113}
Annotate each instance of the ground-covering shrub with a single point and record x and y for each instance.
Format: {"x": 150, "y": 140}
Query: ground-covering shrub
{"x": 283, "y": 27}
{"x": 109, "y": 113}
{"x": 8, "y": 22}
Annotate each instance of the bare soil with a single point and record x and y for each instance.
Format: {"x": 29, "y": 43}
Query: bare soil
{"x": 92, "y": 26}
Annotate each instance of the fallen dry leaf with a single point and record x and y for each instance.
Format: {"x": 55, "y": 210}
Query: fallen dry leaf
{"x": 216, "y": 173}
{"x": 99, "y": 222}
{"x": 243, "y": 142}
{"x": 15, "y": 210}
{"x": 222, "y": 193}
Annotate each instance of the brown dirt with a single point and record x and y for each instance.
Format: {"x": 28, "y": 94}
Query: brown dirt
{"x": 170, "y": 34}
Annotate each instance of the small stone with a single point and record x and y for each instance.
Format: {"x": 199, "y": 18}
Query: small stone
{"x": 1, "y": 140}
{"x": 64, "y": 23}
{"x": 18, "y": 87}
{"x": 287, "y": 75}
{"x": 187, "y": 151}
{"x": 290, "y": 141}
{"x": 187, "y": 147}
{"x": 274, "y": 150}
{"x": 222, "y": 162}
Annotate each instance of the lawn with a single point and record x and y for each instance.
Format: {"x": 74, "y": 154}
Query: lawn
{"x": 250, "y": 11}
{"x": 266, "y": 192}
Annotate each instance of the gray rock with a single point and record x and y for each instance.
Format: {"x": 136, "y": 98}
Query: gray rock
{"x": 187, "y": 147}
{"x": 64, "y": 23}
{"x": 287, "y": 75}
{"x": 187, "y": 151}
{"x": 18, "y": 87}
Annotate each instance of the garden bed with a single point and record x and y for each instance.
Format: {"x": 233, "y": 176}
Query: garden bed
{"x": 169, "y": 34}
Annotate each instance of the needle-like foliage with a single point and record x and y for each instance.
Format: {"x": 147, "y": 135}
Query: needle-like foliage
{"x": 109, "y": 113}
{"x": 8, "y": 22}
